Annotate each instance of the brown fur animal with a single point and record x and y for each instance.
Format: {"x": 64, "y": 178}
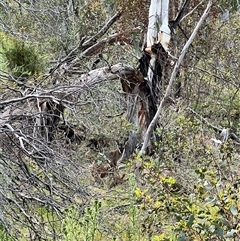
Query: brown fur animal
{"x": 107, "y": 167}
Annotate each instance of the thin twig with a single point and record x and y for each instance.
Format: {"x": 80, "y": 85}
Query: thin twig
{"x": 231, "y": 135}
{"x": 104, "y": 29}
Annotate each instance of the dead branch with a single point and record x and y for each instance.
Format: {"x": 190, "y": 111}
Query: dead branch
{"x": 60, "y": 95}
{"x": 89, "y": 46}
{"x": 103, "y": 30}
{"x": 31, "y": 96}
{"x": 202, "y": 119}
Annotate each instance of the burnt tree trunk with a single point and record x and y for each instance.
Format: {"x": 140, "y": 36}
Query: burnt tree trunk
{"x": 143, "y": 95}
{"x": 149, "y": 93}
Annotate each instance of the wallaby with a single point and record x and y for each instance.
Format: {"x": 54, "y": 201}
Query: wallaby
{"x": 115, "y": 155}
{"x": 108, "y": 166}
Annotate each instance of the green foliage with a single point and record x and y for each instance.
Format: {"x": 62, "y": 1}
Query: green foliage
{"x": 209, "y": 212}
{"x": 133, "y": 230}
{"x": 4, "y": 236}
{"x": 84, "y": 228}
{"x": 215, "y": 90}
{"x": 90, "y": 225}
{"x": 21, "y": 58}
{"x": 171, "y": 204}
{"x": 230, "y": 5}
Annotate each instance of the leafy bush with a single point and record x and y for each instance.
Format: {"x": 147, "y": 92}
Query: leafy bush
{"x": 85, "y": 228}
{"x": 208, "y": 212}
{"x": 4, "y": 235}
{"x": 21, "y": 58}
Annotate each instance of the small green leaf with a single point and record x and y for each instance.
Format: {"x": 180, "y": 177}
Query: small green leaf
{"x": 233, "y": 210}
{"x": 224, "y": 222}
{"x": 178, "y": 217}
{"x": 138, "y": 192}
{"x": 219, "y": 231}
{"x": 182, "y": 236}
{"x": 190, "y": 220}
{"x": 210, "y": 199}
{"x": 212, "y": 228}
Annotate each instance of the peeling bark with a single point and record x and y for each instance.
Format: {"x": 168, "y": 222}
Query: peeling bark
{"x": 143, "y": 95}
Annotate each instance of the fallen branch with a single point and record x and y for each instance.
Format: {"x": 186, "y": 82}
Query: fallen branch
{"x": 203, "y": 120}
{"x": 43, "y": 109}
{"x": 84, "y": 81}
{"x": 103, "y": 30}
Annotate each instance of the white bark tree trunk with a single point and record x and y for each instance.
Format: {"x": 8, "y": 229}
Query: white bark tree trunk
{"x": 164, "y": 34}
{"x": 158, "y": 30}
{"x": 153, "y": 21}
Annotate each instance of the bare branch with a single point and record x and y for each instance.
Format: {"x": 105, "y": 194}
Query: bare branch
{"x": 180, "y": 14}
{"x": 103, "y": 30}
{"x": 84, "y": 81}
{"x": 11, "y": 101}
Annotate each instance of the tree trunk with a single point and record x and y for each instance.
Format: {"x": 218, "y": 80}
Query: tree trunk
{"x": 172, "y": 79}
{"x": 143, "y": 96}
{"x": 145, "y": 93}
{"x": 147, "y": 96}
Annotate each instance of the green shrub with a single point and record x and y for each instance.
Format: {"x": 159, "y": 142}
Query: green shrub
{"x": 76, "y": 227}
{"x": 21, "y": 58}
{"x": 209, "y": 212}
{"x": 4, "y": 236}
